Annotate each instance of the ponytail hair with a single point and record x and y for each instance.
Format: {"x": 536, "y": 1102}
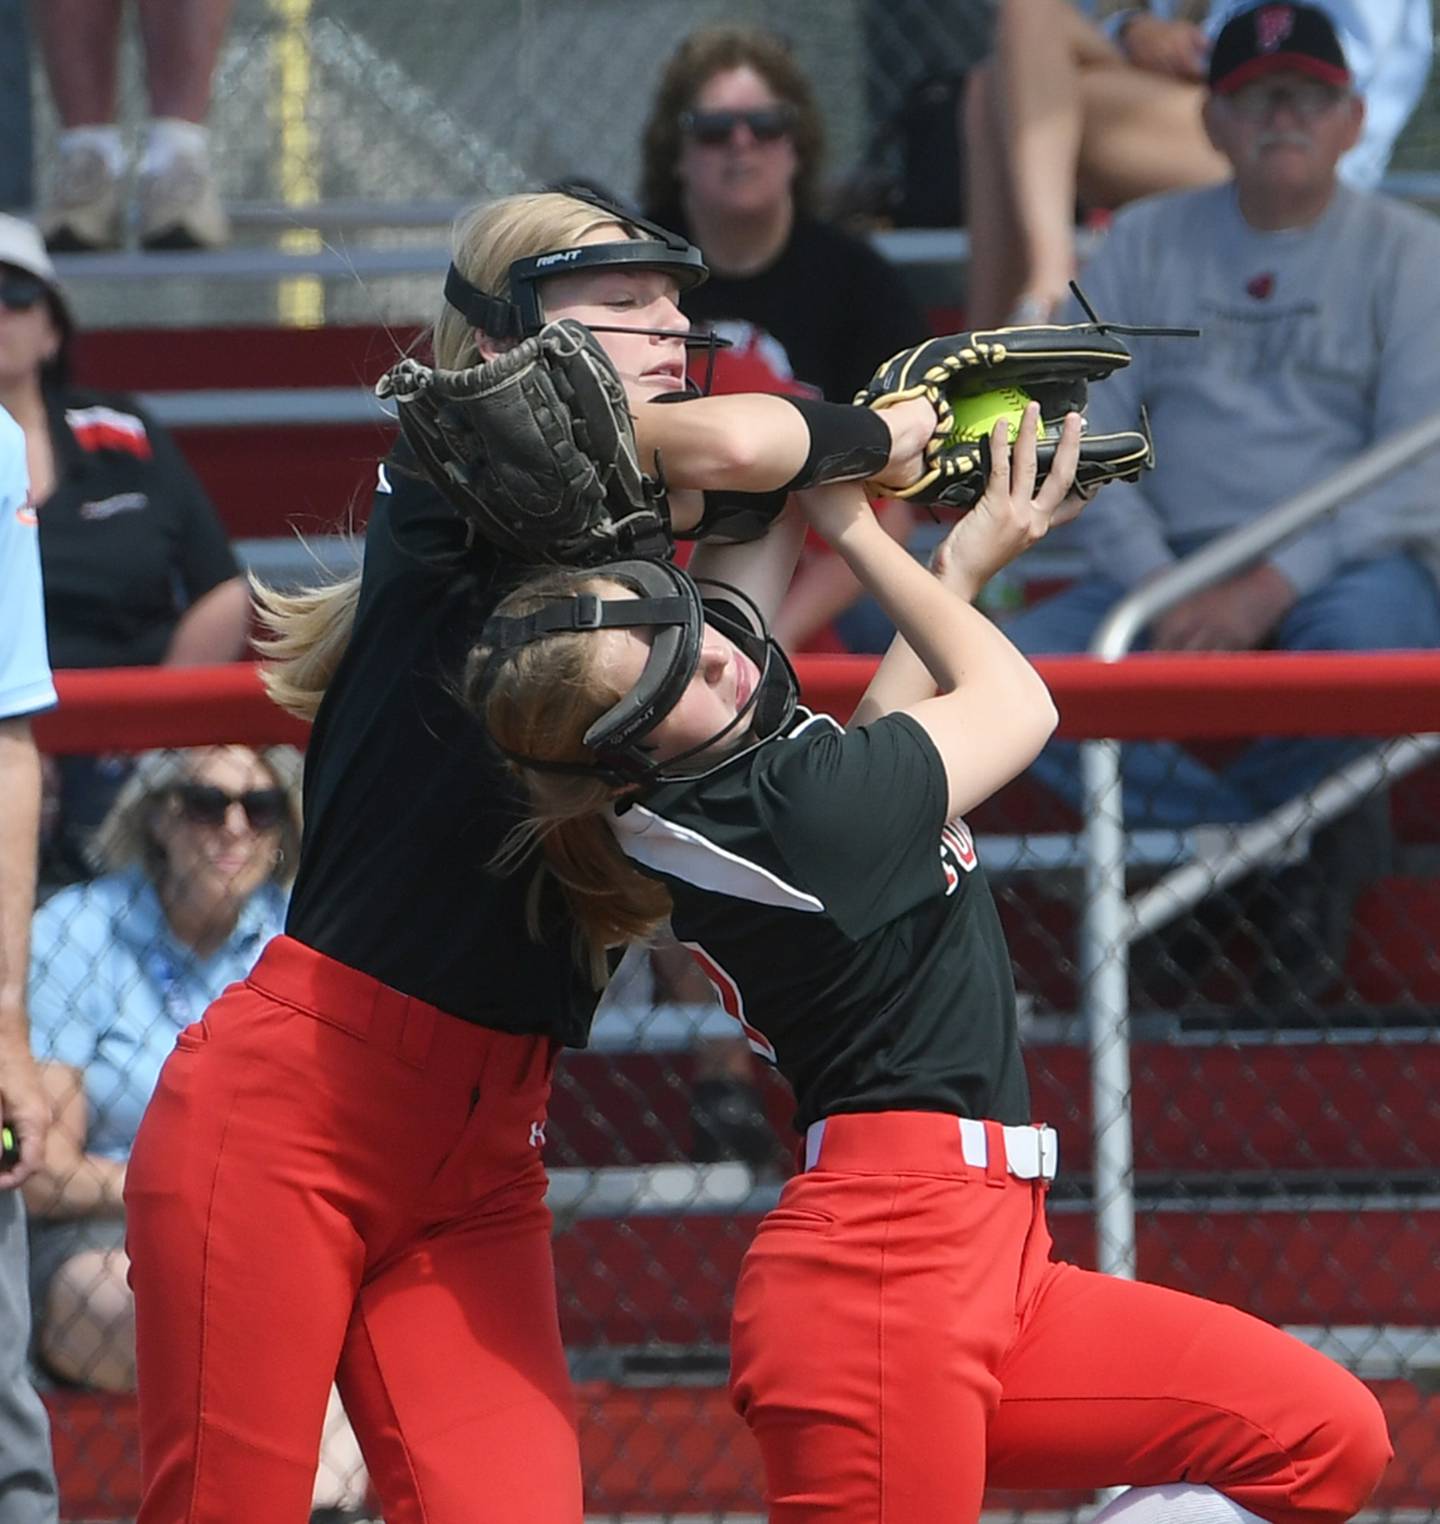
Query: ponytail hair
{"x": 306, "y": 633}
{"x": 538, "y": 700}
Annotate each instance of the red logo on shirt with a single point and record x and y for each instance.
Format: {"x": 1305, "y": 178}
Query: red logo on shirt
{"x": 106, "y": 428}
{"x": 1273, "y": 25}
{"x": 957, "y": 852}
{"x": 1261, "y": 286}
{"x": 755, "y": 362}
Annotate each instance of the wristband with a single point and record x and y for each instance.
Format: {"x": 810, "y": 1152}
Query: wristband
{"x": 846, "y": 443}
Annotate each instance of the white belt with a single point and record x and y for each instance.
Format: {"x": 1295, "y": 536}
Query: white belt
{"x": 1031, "y": 1153}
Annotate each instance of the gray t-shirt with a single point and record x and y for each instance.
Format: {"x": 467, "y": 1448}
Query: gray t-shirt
{"x": 1316, "y": 343}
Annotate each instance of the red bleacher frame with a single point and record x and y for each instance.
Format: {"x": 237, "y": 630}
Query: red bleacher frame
{"x": 1181, "y": 697}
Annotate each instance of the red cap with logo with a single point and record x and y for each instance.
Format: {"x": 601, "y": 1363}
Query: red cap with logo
{"x": 1275, "y": 39}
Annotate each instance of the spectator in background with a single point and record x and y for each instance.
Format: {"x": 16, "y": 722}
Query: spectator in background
{"x": 27, "y": 1477}
{"x": 197, "y": 855}
{"x": 732, "y": 154}
{"x": 179, "y": 205}
{"x": 1320, "y": 337}
{"x": 1067, "y": 111}
{"x": 138, "y": 571}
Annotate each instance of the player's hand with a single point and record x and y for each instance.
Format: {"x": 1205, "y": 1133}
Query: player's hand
{"x": 1177, "y": 48}
{"x": 1011, "y": 516}
{"x": 24, "y": 1109}
{"x": 1235, "y": 615}
{"x": 912, "y": 425}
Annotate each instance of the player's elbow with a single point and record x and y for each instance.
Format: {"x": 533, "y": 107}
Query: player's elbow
{"x": 1037, "y": 720}
{"x": 710, "y": 458}
{"x": 736, "y": 458}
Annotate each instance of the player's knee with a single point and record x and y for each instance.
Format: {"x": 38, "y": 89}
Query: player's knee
{"x": 1349, "y": 1451}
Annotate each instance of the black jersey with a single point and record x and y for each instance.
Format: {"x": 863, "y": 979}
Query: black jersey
{"x": 128, "y": 538}
{"x": 843, "y": 921}
{"x": 406, "y": 804}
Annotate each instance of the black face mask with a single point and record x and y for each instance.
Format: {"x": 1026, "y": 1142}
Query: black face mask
{"x": 669, "y": 603}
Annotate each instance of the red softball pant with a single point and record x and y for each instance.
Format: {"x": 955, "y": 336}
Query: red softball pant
{"x": 902, "y": 1337}
{"x": 334, "y": 1180}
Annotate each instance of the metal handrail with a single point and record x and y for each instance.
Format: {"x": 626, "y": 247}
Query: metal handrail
{"x": 1108, "y": 924}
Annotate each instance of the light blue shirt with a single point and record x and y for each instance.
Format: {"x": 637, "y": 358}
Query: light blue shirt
{"x": 25, "y": 684}
{"x": 110, "y": 986}
{"x": 1387, "y": 45}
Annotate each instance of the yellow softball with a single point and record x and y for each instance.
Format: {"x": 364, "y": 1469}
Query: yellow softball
{"x": 974, "y": 417}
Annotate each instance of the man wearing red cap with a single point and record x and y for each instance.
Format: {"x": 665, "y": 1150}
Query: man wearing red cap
{"x": 1319, "y": 338}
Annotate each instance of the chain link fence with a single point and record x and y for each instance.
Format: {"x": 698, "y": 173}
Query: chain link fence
{"x": 457, "y": 100}
{"x": 1285, "y": 1076}
{"x": 393, "y": 121}
{"x": 1284, "y": 1030}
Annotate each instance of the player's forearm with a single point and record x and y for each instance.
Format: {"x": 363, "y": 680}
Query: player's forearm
{"x": 756, "y": 443}
{"x": 823, "y": 589}
{"x": 956, "y": 644}
{"x": 826, "y": 587}
{"x": 902, "y": 679}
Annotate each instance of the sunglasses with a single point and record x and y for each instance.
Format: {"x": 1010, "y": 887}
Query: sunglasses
{"x": 1308, "y": 99}
{"x": 205, "y": 805}
{"x": 767, "y": 124}
{"x": 20, "y": 292}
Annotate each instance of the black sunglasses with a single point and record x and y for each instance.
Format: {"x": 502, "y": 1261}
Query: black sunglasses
{"x": 20, "y": 292}
{"x": 768, "y": 124}
{"x": 204, "y": 804}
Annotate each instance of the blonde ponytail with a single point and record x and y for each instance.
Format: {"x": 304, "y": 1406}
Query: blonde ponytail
{"x": 307, "y": 632}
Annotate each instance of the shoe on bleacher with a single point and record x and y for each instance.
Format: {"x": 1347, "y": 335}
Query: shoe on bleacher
{"x": 84, "y": 215}
{"x": 180, "y": 207}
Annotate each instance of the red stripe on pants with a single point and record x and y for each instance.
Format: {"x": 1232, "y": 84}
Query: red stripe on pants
{"x": 902, "y": 1336}
{"x": 332, "y": 1177}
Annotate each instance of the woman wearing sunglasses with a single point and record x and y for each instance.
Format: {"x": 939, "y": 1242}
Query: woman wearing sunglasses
{"x": 732, "y": 155}
{"x": 196, "y": 859}
{"x": 138, "y": 571}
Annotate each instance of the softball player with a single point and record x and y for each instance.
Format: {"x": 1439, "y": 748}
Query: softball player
{"x": 340, "y": 1168}
{"x": 901, "y": 1333}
